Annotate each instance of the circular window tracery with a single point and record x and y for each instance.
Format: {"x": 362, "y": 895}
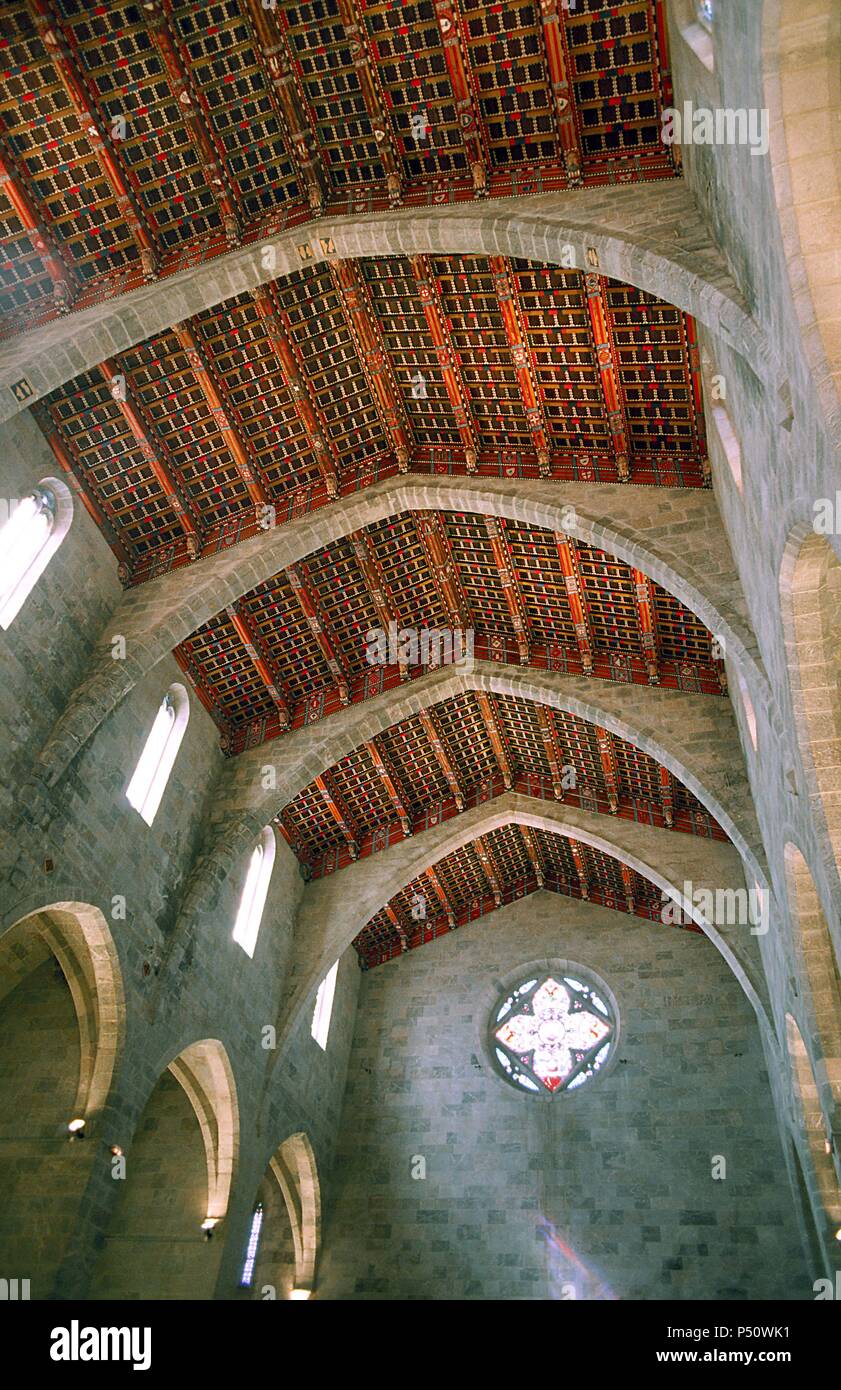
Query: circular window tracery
{"x": 552, "y": 1033}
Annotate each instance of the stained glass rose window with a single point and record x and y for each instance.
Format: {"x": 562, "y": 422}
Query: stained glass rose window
{"x": 552, "y": 1034}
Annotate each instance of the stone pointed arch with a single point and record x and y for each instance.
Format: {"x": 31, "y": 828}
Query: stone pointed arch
{"x": 77, "y": 935}
{"x": 802, "y": 91}
{"x": 295, "y": 1168}
{"x": 694, "y": 736}
{"x": 333, "y": 910}
{"x": 822, "y": 981}
{"x": 204, "y": 1072}
{"x": 648, "y": 235}
{"x": 648, "y": 528}
{"x": 809, "y": 1128}
{"x": 810, "y": 597}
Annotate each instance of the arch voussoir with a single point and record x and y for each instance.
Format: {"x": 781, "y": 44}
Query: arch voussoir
{"x": 649, "y": 235}
{"x": 674, "y": 535}
{"x": 335, "y": 909}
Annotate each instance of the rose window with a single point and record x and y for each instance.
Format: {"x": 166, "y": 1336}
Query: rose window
{"x": 551, "y": 1035}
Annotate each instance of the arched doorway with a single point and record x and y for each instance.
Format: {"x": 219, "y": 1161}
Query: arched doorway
{"x": 61, "y": 1029}
{"x": 823, "y": 979}
{"x": 810, "y": 584}
{"x": 178, "y": 1175}
{"x": 819, "y": 1180}
{"x": 802, "y": 90}
{"x": 286, "y": 1226}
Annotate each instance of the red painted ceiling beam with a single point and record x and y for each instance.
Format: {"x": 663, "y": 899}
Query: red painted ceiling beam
{"x": 521, "y": 358}
{"x": 644, "y": 598}
{"x": 297, "y": 577}
{"x": 373, "y": 357}
{"x": 549, "y": 734}
{"x": 441, "y": 894}
{"x": 398, "y": 925}
{"x": 608, "y": 761}
{"x": 580, "y": 867}
{"x": 467, "y": 106}
{"x": 354, "y": 24}
{"x": 557, "y": 59}
{"x": 442, "y": 756}
{"x": 575, "y": 598}
{"x": 200, "y": 366}
{"x": 533, "y": 853}
{"x": 251, "y": 641}
{"x": 42, "y": 239}
{"x": 442, "y": 566}
{"x": 628, "y": 881}
{"x": 153, "y": 449}
{"x": 366, "y": 558}
{"x": 491, "y": 722}
{"x": 278, "y": 65}
{"x": 666, "y": 798}
{"x": 436, "y": 322}
{"x": 83, "y": 100}
{"x": 489, "y": 867}
{"x": 608, "y": 373}
{"x": 334, "y": 805}
{"x": 308, "y": 413}
{"x": 389, "y": 783}
{"x": 193, "y": 106}
{"x": 510, "y": 586}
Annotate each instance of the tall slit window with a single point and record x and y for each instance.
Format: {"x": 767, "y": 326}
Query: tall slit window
{"x": 151, "y": 775}
{"x": 251, "y": 1250}
{"x": 324, "y": 1007}
{"x": 29, "y": 538}
{"x": 255, "y": 891}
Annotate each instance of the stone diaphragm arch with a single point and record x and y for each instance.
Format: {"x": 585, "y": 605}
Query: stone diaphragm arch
{"x": 77, "y": 935}
{"x": 204, "y": 1072}
{"x": 693, "y": 735}
{"x": 810, "y": 595}
{"x": 802, "y": 91}
{"x": 673, "y": 535}
{"x": 810, "y": 1131}
{"x": 179, "y": 1166}
{"x": 650, "y": 236}
{"x": 295, "y": 1169}
{"x": 822, "y": 977}
{"x": 334, "y": 910}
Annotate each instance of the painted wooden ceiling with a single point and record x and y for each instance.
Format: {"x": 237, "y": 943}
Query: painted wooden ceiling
{"x": 143, "y": 136}
{"x": 137, "y": 139}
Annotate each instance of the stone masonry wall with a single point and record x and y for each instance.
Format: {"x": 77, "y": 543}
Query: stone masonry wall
{"x": 608, "y": 1189}
{"x": 82, "y": 842}
{"x": 790, "y": 458}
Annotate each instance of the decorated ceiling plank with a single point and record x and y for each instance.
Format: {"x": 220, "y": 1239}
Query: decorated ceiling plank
{"x": 137, "y": 139}
{"x": 331, "y": 378}
{"x": 447, "y": 361}
{"x": 352, "y": 291}
{"x": 194, "y": 106}
{"x": 407, "y": 780}
{"x": 153, "y": 449}
{"x": 44, "y": 241}
{"x": 438, "y": 573}
{"x": 58, "y": 43}
{"x": 213, "y": 124}
{"x": 516, "y": 336}
{"x": 274, "y": 50}
{"x": 519, "y": 860}
{"x": 288, "y": 363}
{"x": 222, "y": 412}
